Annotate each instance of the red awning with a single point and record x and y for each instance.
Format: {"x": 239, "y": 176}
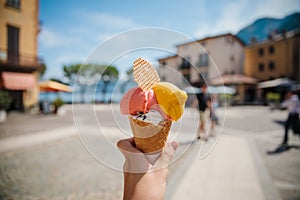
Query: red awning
{"x": 18, "y": 81}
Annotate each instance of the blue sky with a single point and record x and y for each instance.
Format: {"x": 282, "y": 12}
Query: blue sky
{"x": 71, "y": 30}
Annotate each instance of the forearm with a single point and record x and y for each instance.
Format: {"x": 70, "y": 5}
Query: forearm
{"x": 151, "y": 185}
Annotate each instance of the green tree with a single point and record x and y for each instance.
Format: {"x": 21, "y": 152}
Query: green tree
{"x": 5, "y": 100}
{"x": 70, "y": 72}
{"x": 89, "y": 74}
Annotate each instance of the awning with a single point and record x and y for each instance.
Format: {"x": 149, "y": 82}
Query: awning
{"x": 192, "y": 90}
{"x": 53, "y": 86}
{"x": 279, "y": 82}
{"x": 18, "y": 81}
{"x": 233, "y": 79}
{"x": 220, "y": 90}
{"x": 211, "y": 90}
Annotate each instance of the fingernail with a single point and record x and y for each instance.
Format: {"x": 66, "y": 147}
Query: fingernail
{"x": 174, "y": 145}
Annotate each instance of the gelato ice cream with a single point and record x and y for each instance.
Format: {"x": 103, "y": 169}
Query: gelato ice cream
{"x": 152, "y": 106}
{"x": 170, "y": 98}
{"x": 136, "y": 101}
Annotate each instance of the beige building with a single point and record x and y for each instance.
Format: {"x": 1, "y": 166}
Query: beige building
{"x": 19, "y": 64}
{"x": 207, "y": 58}
{"x": 274, "y": 58}
{"x": 169, "y": 70}
{"x": 212, "y": 56}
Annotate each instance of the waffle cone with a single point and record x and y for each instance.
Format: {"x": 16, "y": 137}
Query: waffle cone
{"x": 150, "y": 138}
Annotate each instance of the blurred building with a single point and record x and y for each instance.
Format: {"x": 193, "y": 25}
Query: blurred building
{"x": 275, "y": 62}
{"x": 277, "y": 57}
{"x": 217, "y": 55}
{"x": 168, "y": 70}
{"x": 19, "y": 64}
{"x": 204, "y": 59}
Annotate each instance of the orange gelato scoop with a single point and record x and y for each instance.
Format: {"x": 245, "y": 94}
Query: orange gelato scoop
{"x": 137, "y": 101}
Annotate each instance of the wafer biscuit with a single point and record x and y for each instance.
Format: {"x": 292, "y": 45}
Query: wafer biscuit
{"x": 144, "y": 74}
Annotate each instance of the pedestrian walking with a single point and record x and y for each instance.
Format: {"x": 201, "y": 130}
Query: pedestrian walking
{"x": 202, "y": 105}
{"x": 292, "y": 104}
{"x": 212, "y": 104}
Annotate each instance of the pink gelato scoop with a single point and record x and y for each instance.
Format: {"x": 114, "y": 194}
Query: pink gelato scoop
{"x": 136, "y": 100}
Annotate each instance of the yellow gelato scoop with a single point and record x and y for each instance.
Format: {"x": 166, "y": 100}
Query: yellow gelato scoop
{"x": 170, "y": 98}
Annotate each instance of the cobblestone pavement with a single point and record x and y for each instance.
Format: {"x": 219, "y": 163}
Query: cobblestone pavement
{"x": 264, "y": 129}
{"x": 20, "y": 124}
{"x": 62, "y": 169}
{"x": 57, "y": 170}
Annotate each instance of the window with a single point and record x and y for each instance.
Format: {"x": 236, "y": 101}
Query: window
{"x": 185, "y": 64}
{"x": 163, "y": 78}
{"x": 261, "y": 52}
{"x": 271, "y": 50}
{"x": 271, "y": 65}
{"x": 261, "y": 67}
{"x": 163, "y": 64}
{"x": 229, "y": 40}
{"x": 232, "y": 58}
{"x": 203, "y": 44}
{"x": 203, "y": 60}
{"x": 13, "y": 3}
{"x": 12, "y": 44}
{"x": 186, "y": 77}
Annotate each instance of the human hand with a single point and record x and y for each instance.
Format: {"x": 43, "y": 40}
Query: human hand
{"x": 142, "y": 178}
{"x": 138, "y": 162}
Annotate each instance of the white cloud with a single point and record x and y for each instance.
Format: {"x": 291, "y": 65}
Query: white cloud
{"x": 238, "y": 14}
{"x": 121, "y": 50}
{"x": 50, "y": 38}
{"x": 276, "y": 8}
{"x": 104, "y": 36}
{"x": 229, "y": 20}
{"x": 107, "y": 20}
{"x": 98, "y": 26}
{"x": 69, "y": 59}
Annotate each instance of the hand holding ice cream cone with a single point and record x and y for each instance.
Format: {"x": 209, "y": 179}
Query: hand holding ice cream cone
{"x": 138, "y": 162}
{"x": 143, "y": 180}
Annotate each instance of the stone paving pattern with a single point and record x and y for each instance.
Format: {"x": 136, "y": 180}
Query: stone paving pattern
{"x": 62, "y": 169}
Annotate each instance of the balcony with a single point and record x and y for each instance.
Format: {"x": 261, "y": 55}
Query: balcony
{"x": 12, "y": 61}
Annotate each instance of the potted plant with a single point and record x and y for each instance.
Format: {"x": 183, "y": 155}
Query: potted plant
{"x": 58, "y": 102}
{"x": 5, "y": 101}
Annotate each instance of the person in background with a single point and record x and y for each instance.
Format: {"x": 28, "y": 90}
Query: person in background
{"x": 212, "y": 104}
{"x": 143, "y": 180}
{"x": 293, "y": 106}
{"x": 202, "y": 105}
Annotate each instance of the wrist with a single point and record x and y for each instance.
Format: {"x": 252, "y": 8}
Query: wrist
{"x": 150, "y": 185}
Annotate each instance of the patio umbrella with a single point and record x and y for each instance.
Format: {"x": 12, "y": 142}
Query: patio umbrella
{"x": 192, "y": 90}
{"x": 233, "y": 79}
{"x": 220, "y": 90}
{"x": 53, "y": 86}
{"x": 279, "y": 82}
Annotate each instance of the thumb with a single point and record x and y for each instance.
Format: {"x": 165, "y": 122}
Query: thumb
{"x": 166, "y": 155}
